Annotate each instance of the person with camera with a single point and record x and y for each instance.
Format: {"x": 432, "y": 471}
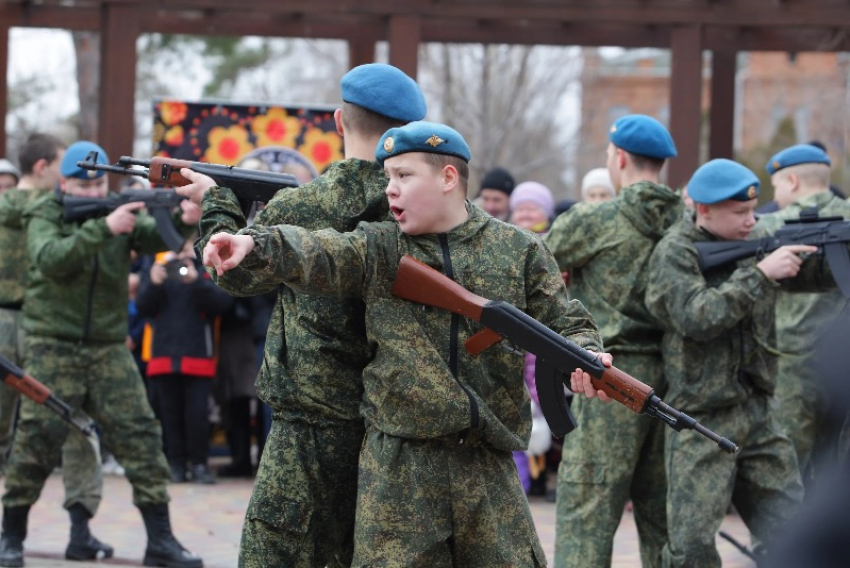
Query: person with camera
{"x": 182, "y": 303}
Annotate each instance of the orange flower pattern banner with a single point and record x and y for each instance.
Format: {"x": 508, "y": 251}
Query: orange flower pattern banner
{"x": 300, "y": 140}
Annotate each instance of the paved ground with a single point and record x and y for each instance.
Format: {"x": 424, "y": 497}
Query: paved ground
{"x": 207, "y": 519}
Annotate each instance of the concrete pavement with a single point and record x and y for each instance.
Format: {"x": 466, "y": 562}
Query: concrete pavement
{"x": 207, "y": 520}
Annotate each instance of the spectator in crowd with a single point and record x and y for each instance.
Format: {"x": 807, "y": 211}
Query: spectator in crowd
{"x": 9, "y": 175}
{"x": 596, "y": 186}
{"x": 235, "y": 390}
{"x": 495, "y": 193}
{"x": 532, "y": 207}
{"x": 182, "y": 303}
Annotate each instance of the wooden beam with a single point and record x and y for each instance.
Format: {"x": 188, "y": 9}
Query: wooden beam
{"x": 685, "y": 99}
{"x": 723, "y": 70}
{"x": 118, "y": 78}
{"x": 361, "y": 50}
{"x": 4, "y": 86}
{"x": 74, "y": 18}
{"x": 404, "y": 37}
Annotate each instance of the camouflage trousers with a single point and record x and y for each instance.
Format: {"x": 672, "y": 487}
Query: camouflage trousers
{"x": 104, "y": 381}
{"x": 301, "y": 512}
{"x": 762, "y": 481}
{"x": 81, "y": 468}
{"x": 612, "y": 456}
{"x": 438, "y": 504}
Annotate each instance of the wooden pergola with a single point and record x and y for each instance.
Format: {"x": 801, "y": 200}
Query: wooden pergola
{"x": 686, "y": 27}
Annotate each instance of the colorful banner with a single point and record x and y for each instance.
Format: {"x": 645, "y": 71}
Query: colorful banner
{"x": 299, "y": 140}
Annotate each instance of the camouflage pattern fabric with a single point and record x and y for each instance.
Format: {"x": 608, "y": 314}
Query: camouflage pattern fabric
{"x": 720, "y": 327}
{"x": 104, "y": 382}
{"x": 315, "y": 352}
{"x": 305, "y": 488}
{"x": 593, "y": 486}
{"x": 14, "y": 261}
{"x": 615, "y": 454}
{"x": 800, "y": 320}
{"x": 81, "y": 470}
{"x": 421, "y": 384}
{"x": 78, "y": 287}
{"x": 720, "y": 369}
{"x": 12, "y": 348}
{"x": 409, "y": 388}
{"x": 439, "y": 504}
{"x": 762, "y": 481}
{"x": 81, "y": 467}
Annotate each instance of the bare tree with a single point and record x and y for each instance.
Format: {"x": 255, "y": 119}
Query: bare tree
{"x": 509, "y": 103}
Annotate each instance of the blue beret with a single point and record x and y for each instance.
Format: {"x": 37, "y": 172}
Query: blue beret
{"x": 422, "y": 137}
{"x": 722, "y": 179}
{"x": 642, "y": 135}
{"x": 795, "y": 155}
{"x": 385, "y": 90}
{"x": 77, "y": 152}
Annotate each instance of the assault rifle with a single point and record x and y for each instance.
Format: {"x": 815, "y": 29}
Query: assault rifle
{"x": 556, "y": 356}
{"x": 248, "y": 185}
{"x": 159, "y": 202}
{"x": 38, "y": 392}
{"x": 830, "y": 233}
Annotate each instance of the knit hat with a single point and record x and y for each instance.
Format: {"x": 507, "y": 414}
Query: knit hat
{"x": 597, "y": 177}
{"x": 531, "y": 191}
{"x": 7, "y": 167}
{"x": 499, "y": 179}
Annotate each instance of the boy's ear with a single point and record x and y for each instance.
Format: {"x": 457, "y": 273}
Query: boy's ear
{"x": 703, "y": 210}
{"x": 39, "y": 166}
{"x": 450, "y": 178}
{"x": 621, "y": 159}
{"x": 338, "y": 121}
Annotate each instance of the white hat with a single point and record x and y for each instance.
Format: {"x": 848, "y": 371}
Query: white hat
{"x": 7, "y": 167}
{"x": 597, "y": 177}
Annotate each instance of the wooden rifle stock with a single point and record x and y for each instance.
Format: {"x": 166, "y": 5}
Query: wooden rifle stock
{"x": 166, "y": 171}
{"x": 418, "y": 282}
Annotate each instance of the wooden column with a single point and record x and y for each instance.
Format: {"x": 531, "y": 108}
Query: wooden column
{"x": 723, "y": 69}
{"x": 361, "y": 50}
{"x": 4, "y": 85}
{"x": 685, "y": 98}
{"x": 118, "y": 34}
{"x": 405, "y": 34}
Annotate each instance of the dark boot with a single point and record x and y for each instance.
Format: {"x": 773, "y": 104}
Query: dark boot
{"x": 14, "y": 533}
{"x": 163, "y": 549}
{"x": 83, "y": 545}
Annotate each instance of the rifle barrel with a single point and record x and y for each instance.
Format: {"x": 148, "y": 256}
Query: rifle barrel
{"x": 131, "y": 161}
{"x": 114, "y": 169}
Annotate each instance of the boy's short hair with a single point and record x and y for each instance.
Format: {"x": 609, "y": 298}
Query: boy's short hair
{"x": 38, "y": 146}
{"x": 439, "y": 161}
{"x": 647, "y": 162}
{"x": 365, "y": 122}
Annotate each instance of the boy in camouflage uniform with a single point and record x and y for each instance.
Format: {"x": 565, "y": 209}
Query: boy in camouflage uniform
{"x": 301, "y": 512}
{"x": 40, "y": 157}
{"x": 718, "y": 328}
{"x": 437, "y": 484}
{"x": 75, "y": 318}
{"x": 616, "y": 455}
{"x": 800, "y": 177}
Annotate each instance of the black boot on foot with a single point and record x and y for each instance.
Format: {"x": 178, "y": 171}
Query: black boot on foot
{"x": 83, "y": 545}
{"x": 14, "y": 533}
{"x": 163, "y": 549}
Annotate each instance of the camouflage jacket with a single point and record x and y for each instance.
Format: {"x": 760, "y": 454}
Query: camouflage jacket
{"x": 13, "y": 259}
{"x": 606, "y": 248}
{"x": 719, "y": 341}
{"x": 316, "y": 348}
{"x": 421, "y": 382}
{"x": 77, "y": 277}
{"x": 801, "y": 318}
